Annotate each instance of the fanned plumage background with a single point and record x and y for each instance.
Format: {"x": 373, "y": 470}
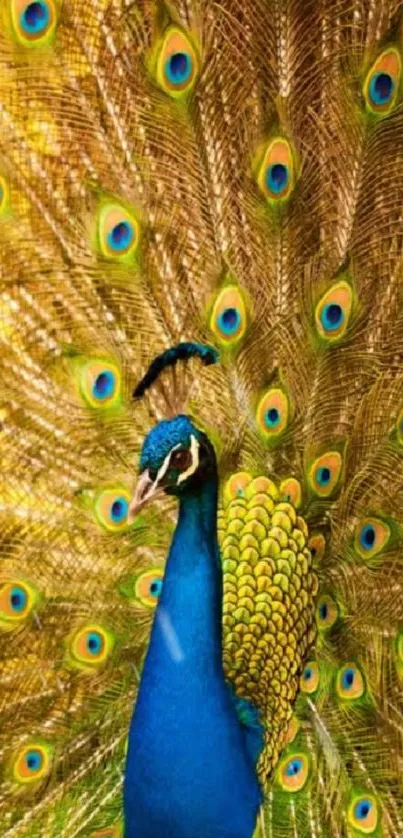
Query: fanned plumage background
{"x": 92, "y": 135}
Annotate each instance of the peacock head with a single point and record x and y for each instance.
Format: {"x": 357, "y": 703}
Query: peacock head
{"x": 176, "y": 459}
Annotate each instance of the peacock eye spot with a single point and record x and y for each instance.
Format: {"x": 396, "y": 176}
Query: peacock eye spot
{"x": 156, "y": 587}
{"x": 348, "y": 678}
{"x": 368, "y": 537}
{"x": 117, "y": 232}
{"x": 101, "y": 382}
{"x": 230, "y": 320}
{"x": 323, "y": 611}
{"x": 177, "y": 63}
{"x": 148, "y": 587}
{"x": 333, "y": 314}
{"x": 332, "y": 317}
{"x": 90, "y": 647}
{"x": 324, "y": 475}
{"x": 179, "y": 67}
{"x": 371, "y": 537}
{"x": 121, "y": 235}
{"x": 293, "y": 772}
{"x": 362, "y": 809}
{"x": 327, "y": 613}
{"x": 119, "y": 509}
{"x": 310, "y": 678}
{"x": 350, "y": 684}
{"x": 33, "y": 760}
{"x": 35, "y": 17}
{"x": 272, "y": 417}
{"x": 104, "y": 385}
{"x": 18, "y": 599}
{"x": 293, "y": 768}
{"x": 277, "y": 177}
{"x": 94, "y": 643}
{"x": 381, "y": 88}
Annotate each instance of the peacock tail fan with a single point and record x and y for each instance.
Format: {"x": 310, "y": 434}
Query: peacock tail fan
{"x": 226, "y": 175}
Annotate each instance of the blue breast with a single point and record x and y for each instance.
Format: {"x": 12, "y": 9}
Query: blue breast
{"x": 189, "y": 772}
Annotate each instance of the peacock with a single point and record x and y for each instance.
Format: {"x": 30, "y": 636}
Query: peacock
{"x": 201, "y": 419}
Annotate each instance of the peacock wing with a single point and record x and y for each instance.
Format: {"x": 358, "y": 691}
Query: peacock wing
{"x": 269, "y": 601}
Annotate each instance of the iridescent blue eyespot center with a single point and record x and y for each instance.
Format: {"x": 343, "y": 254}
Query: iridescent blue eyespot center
{"x": 348, "y": 678}
{"x": 362, "y": 809}
{"x": 229, "y": 321}
{"x": 332, "y": 316}
{"x": 35, "y": 18}
{"x": 121, "y": 236}
{"x": 119, "y": 510}
{"x": 276, "y": 177}
{"x": 307, "y": 673}
{"x": 156, "y": 587}
{"x": 293, "y": 767}
{"x": 178, "y": 68}
{"x": 104, "y": 385}
{"x": 272, "y": 417}
{"x": 94, "y": 643}
{"x": 33, "y": 760}
{"x": 381, "y": 88}
{"x": 18, "y": 599}
{"x": 323, "y": 475}
{"x": 367, "y": 537}
{"x": 323, "y": 611}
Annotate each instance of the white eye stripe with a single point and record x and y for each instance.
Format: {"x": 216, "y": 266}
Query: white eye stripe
{"x": 165, "y": 466}
{"x": 194, "y": 450}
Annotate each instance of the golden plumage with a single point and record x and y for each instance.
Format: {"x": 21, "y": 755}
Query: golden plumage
{"x": 247, "y": 196}
{"x": 268, "y": 603}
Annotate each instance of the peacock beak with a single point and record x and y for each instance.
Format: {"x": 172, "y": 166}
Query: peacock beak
{"x": 146, "y": 489}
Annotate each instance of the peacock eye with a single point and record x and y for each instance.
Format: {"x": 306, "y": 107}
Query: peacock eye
{"x": 177, "y": 63}
{"x": 276, "y": 174}
{"x": 381, "y": 86}
{"x": 34, "y": 23}
{"x": 181, "y": 459}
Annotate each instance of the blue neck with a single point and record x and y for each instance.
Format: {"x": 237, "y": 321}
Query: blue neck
{"x": 187, "y": 750}
{"x": 191, "y": 600}
{"x": 198, "y": 513}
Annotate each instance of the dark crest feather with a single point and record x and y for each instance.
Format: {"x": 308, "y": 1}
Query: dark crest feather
{"x": 181, "y": 352}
